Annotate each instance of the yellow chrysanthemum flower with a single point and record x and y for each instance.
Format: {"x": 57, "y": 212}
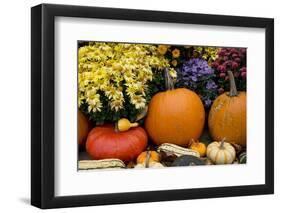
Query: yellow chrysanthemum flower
{"x": 138, "y": 101}
{"x": 116, "y": 105}
{"x": 173, "y": 73}
{"x": 93, "y": 101}
{"x": 115, "y": 70}
{"x": 162, "y": 49}
{"x": 176, "y": 53}
{"x": 207, "y": 53}
{"x": 174, "y": 62}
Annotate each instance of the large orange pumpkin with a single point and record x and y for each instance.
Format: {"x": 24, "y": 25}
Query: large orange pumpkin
{"x": 107, "y": 142}
{"x": 175, "y": 116}
{"x": 227, "y": 117}
{"x": 84, "y": 128}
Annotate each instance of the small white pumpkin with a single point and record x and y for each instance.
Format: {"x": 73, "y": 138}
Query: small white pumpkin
{"x": 221, "y": 152}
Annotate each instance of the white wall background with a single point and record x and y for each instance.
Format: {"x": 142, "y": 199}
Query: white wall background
{"x": 15, "y": 105}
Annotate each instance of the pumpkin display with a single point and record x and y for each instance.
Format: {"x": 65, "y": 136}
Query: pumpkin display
{"x": 150, "y": 156}
{"x": 124, "y": 124}
{"x": 84, "y": 128}
{"x": 242, "y": 158}
{"x": 175, "y": 116}
{"x": 188, "y": 160}
{"x": 221, "y": 152}
{"x": 227, "y": 116}
{"x": 199, "y": 147}
{"x": 107, "y": 142}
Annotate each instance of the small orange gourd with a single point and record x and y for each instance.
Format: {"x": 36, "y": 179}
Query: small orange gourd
{"x": 148, "y": 155}
{"x": 227, "y": 116}
{"x": 175, "y": 116}
{"x": 199, "y": 147}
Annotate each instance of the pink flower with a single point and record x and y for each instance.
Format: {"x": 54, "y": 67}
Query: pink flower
{"x": 244, "y": 75}
{"x": 234, "y": 55}
{"x": 243, "y": 51}
{"x": 222, "y": 75}
{"x": 222, "y": 68}
{"x": 238, "y": 60}
{"x": 234, "y": 65}
{"x": 243, "y": 69}
{"x": 215, "y": 64}
{"x": 228, "y": 63}
{"x": 222, "y": 52}
{"x": 233, "y": 50}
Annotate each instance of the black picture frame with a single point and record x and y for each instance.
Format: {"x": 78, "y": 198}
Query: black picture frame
{"x": 42, "y": 105}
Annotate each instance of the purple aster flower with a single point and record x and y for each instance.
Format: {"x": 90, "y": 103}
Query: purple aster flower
{"x": 211, "y": 85}
{"x": 208, "y": 102}
{"x": 193, "y": 78}
{"x": 197, "y": 75}
{"x": 195, "y": 67}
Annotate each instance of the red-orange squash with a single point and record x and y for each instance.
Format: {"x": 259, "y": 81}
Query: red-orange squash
{"x": 227, "y": 117}
{"x": 175, "y": 116}
{"x": 107, "y": 142}
{"x": 84, "y": 127}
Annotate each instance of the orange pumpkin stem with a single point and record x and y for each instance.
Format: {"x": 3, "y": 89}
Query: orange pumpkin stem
{"x": 168, "y": 81}
{"x": 233, "y": 89}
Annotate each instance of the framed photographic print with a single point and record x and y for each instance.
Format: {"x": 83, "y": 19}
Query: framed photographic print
{"x": 140, "y": 106}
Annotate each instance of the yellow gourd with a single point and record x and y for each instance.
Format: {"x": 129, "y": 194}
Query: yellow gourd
{"x": 124, "y": 124}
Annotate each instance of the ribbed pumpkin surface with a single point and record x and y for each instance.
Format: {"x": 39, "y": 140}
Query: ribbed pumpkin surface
{"x": 104, "y": 142}
{"x": 175, "y": 116}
